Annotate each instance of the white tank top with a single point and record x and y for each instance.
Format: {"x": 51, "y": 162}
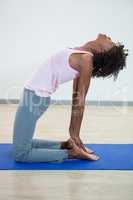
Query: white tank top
{"x": 54, "y": 71}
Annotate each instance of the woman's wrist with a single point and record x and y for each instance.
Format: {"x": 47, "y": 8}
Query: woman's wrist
{"x": 74, "y": 136}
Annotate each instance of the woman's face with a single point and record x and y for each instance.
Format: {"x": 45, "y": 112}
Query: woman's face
{"x": 104, "y": 42}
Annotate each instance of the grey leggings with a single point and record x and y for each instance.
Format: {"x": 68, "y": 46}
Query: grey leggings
{"x": 25, "y": 148}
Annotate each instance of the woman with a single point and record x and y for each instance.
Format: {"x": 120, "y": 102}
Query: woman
{"x": 98, "y": 58}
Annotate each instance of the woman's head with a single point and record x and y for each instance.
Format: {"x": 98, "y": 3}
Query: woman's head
{"x": 103, "y": 43}
{"x": 109, "y": 57}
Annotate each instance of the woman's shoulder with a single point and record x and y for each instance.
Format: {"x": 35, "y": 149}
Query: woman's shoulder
{"x": 86, "y": 62}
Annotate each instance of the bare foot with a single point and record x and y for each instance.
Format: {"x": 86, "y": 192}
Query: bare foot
{"x": 78, "y": 153}
{"x": 69, "y": 145}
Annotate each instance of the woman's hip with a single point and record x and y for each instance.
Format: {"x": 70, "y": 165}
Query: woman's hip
{"x": 33, "y": 103}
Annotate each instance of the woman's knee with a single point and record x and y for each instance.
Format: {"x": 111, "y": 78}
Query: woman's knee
{"x": 18, "y": 157}
{"x": 20, "y": 154}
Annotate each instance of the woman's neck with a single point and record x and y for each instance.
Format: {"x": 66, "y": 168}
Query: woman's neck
{"x": 90, "y": 46}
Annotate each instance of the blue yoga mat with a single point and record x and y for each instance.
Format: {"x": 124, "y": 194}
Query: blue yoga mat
{"x": 113, "y": 157}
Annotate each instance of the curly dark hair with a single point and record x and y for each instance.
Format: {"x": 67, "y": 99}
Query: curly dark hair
{"x": 109, "y": 63}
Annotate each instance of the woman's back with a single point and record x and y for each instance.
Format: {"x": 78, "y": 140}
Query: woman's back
{"x": 54, "y": 71}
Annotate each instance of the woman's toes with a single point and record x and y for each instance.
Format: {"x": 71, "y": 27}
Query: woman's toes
{"x": 93, "y": 157}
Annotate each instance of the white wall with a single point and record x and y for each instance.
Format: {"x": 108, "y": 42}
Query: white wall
{"x": 31, "y": 30}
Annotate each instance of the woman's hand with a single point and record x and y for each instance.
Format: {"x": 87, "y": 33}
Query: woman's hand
{"x": 80, "y": 144}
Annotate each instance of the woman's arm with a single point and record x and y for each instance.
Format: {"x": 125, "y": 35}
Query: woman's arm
{"x": 80, "y": 88}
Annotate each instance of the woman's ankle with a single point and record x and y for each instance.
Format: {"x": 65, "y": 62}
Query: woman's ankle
{"x": 66, "y": 145}
{"x": 63, "y": 145}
